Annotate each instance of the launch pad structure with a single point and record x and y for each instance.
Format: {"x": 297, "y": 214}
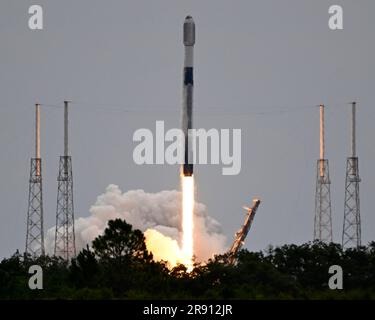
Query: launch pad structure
{"x": 243, "y": 232}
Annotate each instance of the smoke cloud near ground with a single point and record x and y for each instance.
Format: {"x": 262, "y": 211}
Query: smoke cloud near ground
{"x": 158, "y": 215}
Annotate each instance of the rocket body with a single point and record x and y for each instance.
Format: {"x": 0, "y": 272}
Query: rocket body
{"x": 188, "y": 85}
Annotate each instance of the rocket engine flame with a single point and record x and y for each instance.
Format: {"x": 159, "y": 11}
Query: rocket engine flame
{"x": 187, "y": 220}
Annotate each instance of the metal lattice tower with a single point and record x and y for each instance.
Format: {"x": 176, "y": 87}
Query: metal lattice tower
{"x": 34, "y": 231}
{"x": 64, "y": 233}
{"x": 323, "y": 215}
{"x": 351, "y": 235}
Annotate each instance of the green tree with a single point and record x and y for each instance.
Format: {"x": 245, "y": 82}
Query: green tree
{"x": 85, "y": 269}
{"x": 123, "y": 258}
{"x": 120, "y": 243}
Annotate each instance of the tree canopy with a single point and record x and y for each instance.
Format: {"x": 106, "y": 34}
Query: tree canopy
{"x": 118, "y": 265}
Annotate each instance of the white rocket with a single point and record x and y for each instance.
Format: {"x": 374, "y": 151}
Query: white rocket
{"x": 187, "y": 106}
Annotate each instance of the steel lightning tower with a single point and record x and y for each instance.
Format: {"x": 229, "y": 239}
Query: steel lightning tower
{"x": 64, "y": 233}
{"x": 351, "y": 235}
{"x": 323, "y": 216}
{"x": 34, "y": 232}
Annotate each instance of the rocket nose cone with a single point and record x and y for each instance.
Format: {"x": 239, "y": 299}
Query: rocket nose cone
{"x": 189, "y": 31}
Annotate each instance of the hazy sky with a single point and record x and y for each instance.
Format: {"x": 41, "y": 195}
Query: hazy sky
{"x": 277, "y": 57}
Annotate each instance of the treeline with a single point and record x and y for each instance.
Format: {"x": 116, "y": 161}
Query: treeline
{"x": 118, "y": 266}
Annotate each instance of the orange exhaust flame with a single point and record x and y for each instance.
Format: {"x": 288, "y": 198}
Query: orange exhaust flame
{"x": 187, "y": 221}
{"x": 167, "y": 249}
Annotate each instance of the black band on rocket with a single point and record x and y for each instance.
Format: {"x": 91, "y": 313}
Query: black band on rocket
{"x": 188, "y": 76}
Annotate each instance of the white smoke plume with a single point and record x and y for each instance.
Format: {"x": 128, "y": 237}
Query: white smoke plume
{"x": 158, "y": 215}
